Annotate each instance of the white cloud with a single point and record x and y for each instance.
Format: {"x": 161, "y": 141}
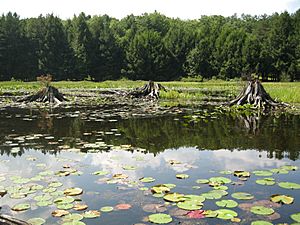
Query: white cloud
{"x": 187, "y": 9}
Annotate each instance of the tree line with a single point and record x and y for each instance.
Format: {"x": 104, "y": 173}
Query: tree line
{"x": 150, "y": 47}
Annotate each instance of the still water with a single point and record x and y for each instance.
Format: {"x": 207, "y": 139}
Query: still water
{"x": 106, "y": 154}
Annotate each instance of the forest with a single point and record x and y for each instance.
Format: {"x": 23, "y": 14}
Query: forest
{"x": 150, "y": 47}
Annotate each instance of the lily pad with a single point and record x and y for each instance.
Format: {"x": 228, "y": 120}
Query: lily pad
{"x": 21, "y": 207}
{"x": 74, "y": 223}
{"x": 91, "y": 214}
{"x": 36, "y": 221}
{"x": 160, "y": 218}
{"x": 59, "y": 213}
{"x": 160, "y": 188}
{"x": 226, "y": 214}
{"x": 202, "y": 181}
{"x": 241, "y": 173}
{"x": 227, "y": 203}
{"x": 210, "y": 213}
{"x": 80, "y": 207}
{"x": 174, "y": 197}
{"x": 242, "y": 196}
{"x": 182, "y": 176}
{"x": 73, "y": 217}
{"x": 147, "y": 179}
{"x": 127, "y": 167}
{"x": 289, "y": 168}
{"x": 106, "y": 209}
{"x": 264, "y": 173}
{"x": 55, "y": 184}
{"x": 284, "y": 199}
{"x": 221, "y": 180}
{"x": 266, "y": 181}
{"x": 261, "y": 210}
{"x": 73, "y": 191}
{"x": 289, "y": 185}
{"x": 123, "y": 206}
{"x": 100, "y": 173}
{"x": 296, "y": 217}
{"x": 190, "y": 205}
{"x": 261, "y": 222}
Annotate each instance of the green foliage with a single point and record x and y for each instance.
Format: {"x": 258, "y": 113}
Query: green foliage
{"x": 151, "y": 47}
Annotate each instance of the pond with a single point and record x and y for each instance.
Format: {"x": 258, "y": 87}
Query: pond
{"x": 108, "y": 166}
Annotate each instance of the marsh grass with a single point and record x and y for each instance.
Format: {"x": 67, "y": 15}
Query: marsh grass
{"x": 282, "y": 91}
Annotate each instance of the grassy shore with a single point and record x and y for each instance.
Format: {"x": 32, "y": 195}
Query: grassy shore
{"x": 282, "y": 91}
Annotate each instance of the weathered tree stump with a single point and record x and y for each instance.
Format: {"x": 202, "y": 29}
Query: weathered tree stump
{"x": 149, "y": 91}
{"x": 9, "y": 220}
{"x": 47, "y": 94}
{"x": 255, "y": 94}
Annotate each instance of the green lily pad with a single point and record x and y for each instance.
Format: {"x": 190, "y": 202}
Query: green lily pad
{"x": 226, "y": 172}
{"x": 42, "y": 198}
{"x": 49, "y": 190}
{"x": 285, "y": 199}
{"x": 174, "y": 197}
{"x": 241, "y": 173}
{"x": 106, "y": 209}
{"x": 289, "y": 168}
{"x": 289, "y": 185}
{"x": 296, "y": 217}
{"x": 170, "y": 185}
{"x": 64, "y": 200}
{"x": 279, "y": 171}
{"x": 21, "y": 207}
{"x": 160, "y": 218}
{"x": 242, "y": 196}
{"x": 147, "y": 179}
{"x": 73, "y": 217}
{"x": 224, "y": 188}
{"x": 202, "y": 181}
{"x": 100, "y": 173}
{"x": 91, "y": 214}
{"x": 36, "y": 221}
{"x": 197, "y": 198}
{"x": 64, "y": 206}
{"x": 55, "y": 184}
{"x": 266, "y": 181}
{"x": 227, "y": 203}
{"x": 127, "y": 167}
{"x": 74, "y": 223}
{"x": 212, "y": 195}
{"x": 264, "y": 173}
{"x": 73, "y": 191}
{"x": 160, "y": 188}
{"x": 43, "y": 203}
{"x": 221, "y": 180}
{"x": 190, "y": 205}
{"x": 261, "y": 210}
{"x": 226, "y": 214}
{"x": 182, "y": 176}
{"x": 261, "y": 222}
{"x": 210, "y": 213}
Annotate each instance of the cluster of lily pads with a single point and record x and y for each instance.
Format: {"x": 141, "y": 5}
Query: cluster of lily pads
{"x": 45, "y": 189}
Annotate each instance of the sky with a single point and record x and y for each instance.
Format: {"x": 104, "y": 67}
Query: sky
{"x": 184, "y": 9}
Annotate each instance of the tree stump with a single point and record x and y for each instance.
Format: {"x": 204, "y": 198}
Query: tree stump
{"x": 255, "y": 94}
{"x": 149, "y": 91}
{"x": 47, "y": 94}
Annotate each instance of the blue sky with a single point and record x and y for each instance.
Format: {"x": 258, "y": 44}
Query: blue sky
{"x": 184, "y": 9}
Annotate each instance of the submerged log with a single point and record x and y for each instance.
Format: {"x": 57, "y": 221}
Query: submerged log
{"x": 48, "y": 94}
{"x": 255, "y": 94}
{"x": 149, "y": 90}
{"x": 9, "y": 220}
